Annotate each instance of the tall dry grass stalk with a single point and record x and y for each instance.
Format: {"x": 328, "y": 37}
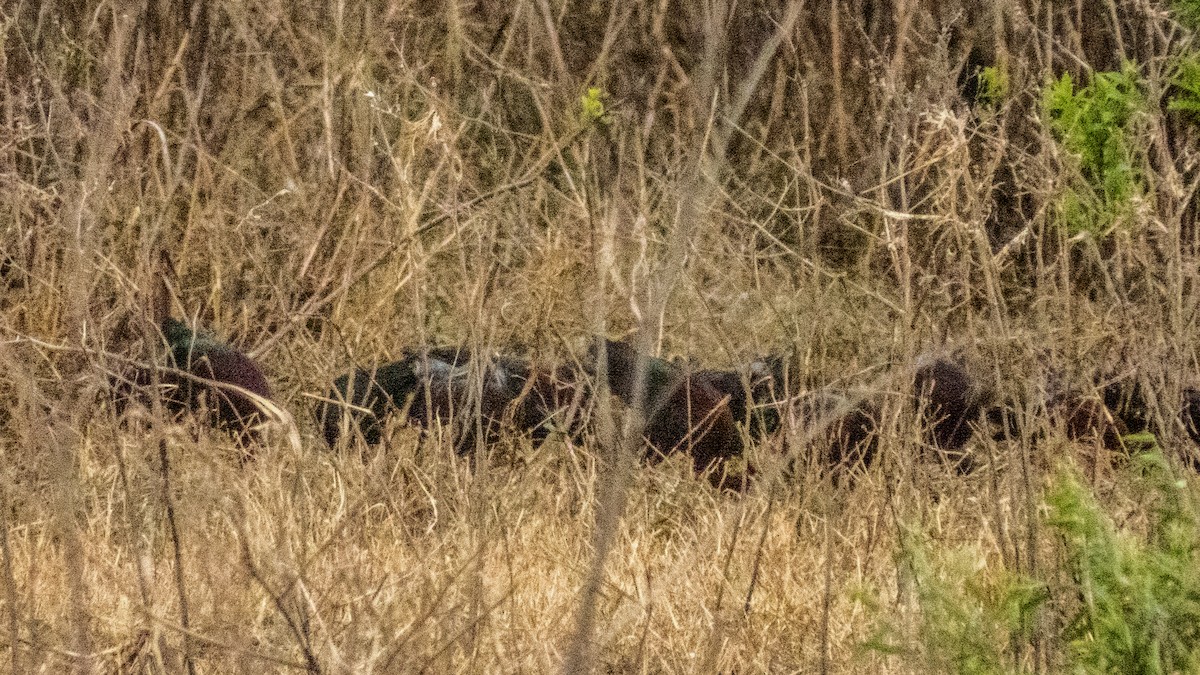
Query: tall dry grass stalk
{"x": 336, "y": 183}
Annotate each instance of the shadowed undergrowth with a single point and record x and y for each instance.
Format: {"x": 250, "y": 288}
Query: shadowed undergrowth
{"x": 849, "y": 184}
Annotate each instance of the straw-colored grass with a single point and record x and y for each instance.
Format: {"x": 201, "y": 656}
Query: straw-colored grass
{"x": 337, "y": 182}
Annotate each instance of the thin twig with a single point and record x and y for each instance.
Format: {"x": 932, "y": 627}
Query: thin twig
{"x": 298, "y": 633}
{"x": 177, "y": 545}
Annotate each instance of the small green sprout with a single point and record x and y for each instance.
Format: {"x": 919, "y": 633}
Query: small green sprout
{"x": 592, "y": 111}
{"x": 993, "y": 85}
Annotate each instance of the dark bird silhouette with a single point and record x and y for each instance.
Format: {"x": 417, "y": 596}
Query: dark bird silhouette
{"x": 446, "y": 393}
{"x": 435, "y": 385}
{"x": 682, "y": 413}
{"x": 204, "y": 356}
{"x": 556, "y": 399}
{"x": 756, "y": 393}
{"x": 204, "y": 374}
{"x": 950, "y": 404}
{"x": 1075, "y": 410}
{"x": 1080, "y": 414}
{"x": 1083, "y": 412}
{"x": 365, "y": 398}
{"x": 1126, "y": 401}
{"x": 840, "y": 433}
{"x": 1086, "y": 419}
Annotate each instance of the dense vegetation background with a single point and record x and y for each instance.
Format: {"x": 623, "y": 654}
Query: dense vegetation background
{"x": 850, "y": 182}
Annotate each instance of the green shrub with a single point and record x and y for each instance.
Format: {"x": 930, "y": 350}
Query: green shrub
{"x": 1188, "y": 12}
{"x": 1132, "y": 601}
{"x": 1185, "y": 77}
{"x": 969, "y": 615}
{"x": 993, "y": 85}
{"x": 592, "y": 111}
{"x": 1139, "y": 602}
{"x": 1093, "y": 123}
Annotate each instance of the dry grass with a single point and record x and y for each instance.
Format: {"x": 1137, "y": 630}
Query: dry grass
{"x": 335, "y": 183}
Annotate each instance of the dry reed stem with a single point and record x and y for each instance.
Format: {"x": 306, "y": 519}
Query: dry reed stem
{"x": 851, "y": 211}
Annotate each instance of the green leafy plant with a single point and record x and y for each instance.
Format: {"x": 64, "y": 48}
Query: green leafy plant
{"x": 1138, "y": 602}
{"x": 1188, "y": 12}
{"x": 592, "y": 111}
{"x": 1143, "y": 441}
{"x": 1094, "y": 124}
{"x": 993, "y": 85}
{"x": 968, "y": 614}
{"x": 1185, "y": 78}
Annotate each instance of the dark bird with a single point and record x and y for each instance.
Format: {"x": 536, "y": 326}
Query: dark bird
{"x": 950, "y": 404}
{"x": 1086, "y": 419}
{"x": 1126, "y": 400}
{"x": 1082, "y": 411}
{"x": 681, "y": 413}
{"x": 840, "y": 433}
{"x": 756, "y": 393}
{"x": 204, "y": 374}
{"x": 204, "y": 356}
{"x": 365, "y": 398}
{"x": 511, "y": 393}
{"x": 435, "y": 385}
{"x": 446, "y": 393}
{"x": 1080, "y": 414}
{"x": 556, "y": 399}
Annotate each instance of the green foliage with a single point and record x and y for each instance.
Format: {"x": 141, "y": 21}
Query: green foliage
{"x": 1133, "y": 601}
{"x": 1094, "y": 123}
{"x": 1139, "y": 602}
{"x": 592, "y": 111}
{"x": 1186, "y": 80}
{"x": 1188, "y": 12}
{"x": 1143, "y": 441}
{"x": 968, "y": 614}
{"x": 993, "y": 85}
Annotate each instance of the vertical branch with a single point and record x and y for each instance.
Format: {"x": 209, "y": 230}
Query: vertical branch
{"x": 164, "y": 468}
{"x": 555, "y": 46}
{"x": 835, "y": 56}
{"x": 613, "y": 478}
{"x": 827, "y": 596}
{"x": 10, "y": 583}
{"x": 612, "y": 492}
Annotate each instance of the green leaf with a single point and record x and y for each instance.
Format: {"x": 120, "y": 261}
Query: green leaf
{"x": 592, "y": 111}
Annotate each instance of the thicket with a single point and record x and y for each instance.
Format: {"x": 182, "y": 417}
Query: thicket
{"x": 1121, "y": 603}
{"x": 852, "y": 182}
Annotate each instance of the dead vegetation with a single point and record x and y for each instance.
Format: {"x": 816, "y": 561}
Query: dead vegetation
{"x": 339, "y": 182}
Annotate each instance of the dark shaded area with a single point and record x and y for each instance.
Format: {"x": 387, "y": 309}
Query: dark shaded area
{"x": 969, "y": 84}
{"x": 1126, "y": 400}
{"x": 682, "y": 413}
{"x": 1189, "y": 416}
{"x": 212, "y": 364}
{"x": 1086, "y": 419}
{"x": 8, "y": 273}
{"x": 949, "y": 403}
{"x": 840, "y": 434}
{"x": 435, "y": 386}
